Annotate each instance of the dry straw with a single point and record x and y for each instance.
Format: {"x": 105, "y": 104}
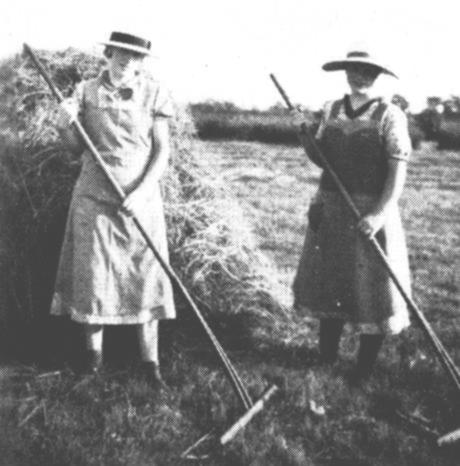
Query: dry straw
{"x": 211, "y": 245}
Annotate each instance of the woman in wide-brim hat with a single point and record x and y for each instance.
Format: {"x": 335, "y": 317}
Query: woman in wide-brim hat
{"x": 107, "y": 275}
{"x": 339, "y": 278}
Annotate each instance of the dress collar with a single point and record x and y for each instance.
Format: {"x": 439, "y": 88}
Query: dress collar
{"x": 352, "y": 113}
{"x": 125, "y": 92}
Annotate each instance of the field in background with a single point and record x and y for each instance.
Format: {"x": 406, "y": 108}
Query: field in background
{"x": 118, "y": 420}
{"x": 275, "y": 184}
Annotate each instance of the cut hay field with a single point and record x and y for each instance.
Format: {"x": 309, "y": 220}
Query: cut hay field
{"x": 116, "y": 419}
{"x": 275, "y": 183}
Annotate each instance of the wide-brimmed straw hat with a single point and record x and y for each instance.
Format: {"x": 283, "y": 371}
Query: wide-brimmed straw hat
{"x": 355, "y": 58}
{"x": 126, "y": 41}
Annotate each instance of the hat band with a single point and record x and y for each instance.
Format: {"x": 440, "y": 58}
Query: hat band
{"x": 358, "y": 55}
{"x": 128, "y": 39}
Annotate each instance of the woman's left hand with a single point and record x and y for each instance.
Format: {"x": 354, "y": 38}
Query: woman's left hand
{"x": 370, "y": 224}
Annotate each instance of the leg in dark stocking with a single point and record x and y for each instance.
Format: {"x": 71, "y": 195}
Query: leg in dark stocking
{"x": 330, "y": 331}
{"x": 369, "y": 347}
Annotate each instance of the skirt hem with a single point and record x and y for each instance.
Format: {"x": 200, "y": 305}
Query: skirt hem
{"x": 392, "y": 325}
{"x": 58, "y": 308}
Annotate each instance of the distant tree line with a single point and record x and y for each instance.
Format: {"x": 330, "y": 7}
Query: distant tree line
{"x": 439, "y": 122}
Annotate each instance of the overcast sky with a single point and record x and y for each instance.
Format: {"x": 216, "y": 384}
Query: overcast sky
{"x": 224, "y": 49}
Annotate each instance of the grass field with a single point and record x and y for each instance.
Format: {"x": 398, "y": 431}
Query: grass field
{"x": 116, "y": 419}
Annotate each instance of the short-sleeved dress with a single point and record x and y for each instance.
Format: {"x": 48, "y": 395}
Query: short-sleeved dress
{"x": 106, "y": 273}
{"x": 339, "y": 275}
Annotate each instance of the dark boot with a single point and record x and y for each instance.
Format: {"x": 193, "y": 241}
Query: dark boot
{"x": 369, "y": 347}
{"x": 150, "y": 370}
{"x": 330, "y": 331}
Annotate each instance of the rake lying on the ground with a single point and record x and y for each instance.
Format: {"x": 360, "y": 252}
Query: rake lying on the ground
{"x": 447, "y": 362}
{"x": 251, "y": 409}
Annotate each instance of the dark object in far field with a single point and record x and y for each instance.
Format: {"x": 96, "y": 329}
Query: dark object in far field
{"x": 448, "y": 135}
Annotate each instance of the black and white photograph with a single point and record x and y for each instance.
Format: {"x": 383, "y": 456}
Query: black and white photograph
{"x": 229, "y": 233}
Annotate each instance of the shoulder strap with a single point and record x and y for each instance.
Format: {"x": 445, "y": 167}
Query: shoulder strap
{"x": 335, "y": 109}
{"x": 381, "y": 108}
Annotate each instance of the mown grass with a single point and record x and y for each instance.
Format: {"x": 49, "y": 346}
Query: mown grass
{"x": 118, "y": 419}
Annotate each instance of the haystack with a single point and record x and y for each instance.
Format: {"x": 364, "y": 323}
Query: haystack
{"x": 211, "y": 245}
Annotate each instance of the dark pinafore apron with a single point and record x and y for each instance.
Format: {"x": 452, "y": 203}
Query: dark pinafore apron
{"x": 339, "y": 275}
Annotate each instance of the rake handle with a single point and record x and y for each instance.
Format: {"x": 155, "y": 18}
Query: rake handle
{"x": 309, "y": 143}
{"x": 44, "y": 73}
{"x": 226, "y": 365}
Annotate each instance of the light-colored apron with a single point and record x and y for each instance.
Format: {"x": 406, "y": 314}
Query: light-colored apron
{"x": 107, "y": 274}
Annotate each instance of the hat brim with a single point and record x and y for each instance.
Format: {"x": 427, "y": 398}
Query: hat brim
{"x": 132, "y": 48}
{"x": 338, "y": 65}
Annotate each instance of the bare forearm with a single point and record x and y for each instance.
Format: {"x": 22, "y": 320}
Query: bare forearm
{"x": 159, "y": 157}
{"x": 393, "y": 187}
{"x": 160, "y": 153}
{"x": 156, "y": 167}
{"x": 373, "y": 221}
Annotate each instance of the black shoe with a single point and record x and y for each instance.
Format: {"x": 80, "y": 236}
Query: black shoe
{"x": 150, "y": 371}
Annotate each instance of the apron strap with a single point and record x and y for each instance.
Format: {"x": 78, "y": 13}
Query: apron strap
{"x": 377, "y": 115}
{"x": 335, "y": 109}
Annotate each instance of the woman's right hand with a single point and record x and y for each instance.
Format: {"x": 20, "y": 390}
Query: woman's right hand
{"x": 67, "y": 113}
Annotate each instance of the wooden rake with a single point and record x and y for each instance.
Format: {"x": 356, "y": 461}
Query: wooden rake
{"x": 250, "y": 408}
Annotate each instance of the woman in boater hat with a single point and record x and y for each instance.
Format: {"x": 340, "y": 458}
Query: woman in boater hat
{"x": 339, "y": 278}
{"x": 107, "y": 275}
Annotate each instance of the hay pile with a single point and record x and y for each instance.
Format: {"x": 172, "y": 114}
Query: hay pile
{"x": 211, "y": 246}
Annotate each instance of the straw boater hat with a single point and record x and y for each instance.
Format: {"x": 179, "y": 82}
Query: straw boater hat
{"x": 357, "y": 57}
{"x": 129, "y": 42}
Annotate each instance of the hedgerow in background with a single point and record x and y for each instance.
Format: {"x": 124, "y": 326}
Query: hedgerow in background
{"x": 225, "y": 121}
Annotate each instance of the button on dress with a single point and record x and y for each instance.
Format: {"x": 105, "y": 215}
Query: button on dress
{"x": 106, "y": 273}
{"x": 339, "y": 275}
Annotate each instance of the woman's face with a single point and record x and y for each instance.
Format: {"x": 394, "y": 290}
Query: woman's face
{"x": 125, "y": 64}
{"x": 361, "y": 78}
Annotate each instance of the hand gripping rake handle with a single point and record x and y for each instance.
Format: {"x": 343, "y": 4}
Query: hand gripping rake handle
{"x": 226, "y": 364}
{"x": 310, "y": 145}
